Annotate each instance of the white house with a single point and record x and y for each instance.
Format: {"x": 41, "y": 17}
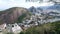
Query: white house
{"x": 15, "y": 28}
{"x": 2, "y": 26}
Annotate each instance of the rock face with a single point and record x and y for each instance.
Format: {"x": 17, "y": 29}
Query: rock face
{"x": 11, "y": 15}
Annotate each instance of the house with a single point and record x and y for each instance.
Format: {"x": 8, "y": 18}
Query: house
{"x": 15, "y": 28}
{"x": 2, "y": 26}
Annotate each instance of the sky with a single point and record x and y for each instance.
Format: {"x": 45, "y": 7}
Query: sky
{"x": 5, "y": 4}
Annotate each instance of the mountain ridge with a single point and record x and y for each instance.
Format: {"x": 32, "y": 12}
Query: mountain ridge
{"x": 11, "y": 15}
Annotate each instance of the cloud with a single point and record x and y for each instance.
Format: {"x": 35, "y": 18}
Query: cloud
{"x": 5, "y": 4}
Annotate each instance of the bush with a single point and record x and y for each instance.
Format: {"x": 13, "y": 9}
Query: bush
{"x": 21, "y": 33}
{"x": 20, "y": 19}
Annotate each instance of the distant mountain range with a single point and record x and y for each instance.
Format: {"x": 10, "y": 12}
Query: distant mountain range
{"x": 53, "y": 7}
{"x": 48, "y": 9}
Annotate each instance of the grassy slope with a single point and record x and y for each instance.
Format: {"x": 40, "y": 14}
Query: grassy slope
{"x": 49, "y": 28}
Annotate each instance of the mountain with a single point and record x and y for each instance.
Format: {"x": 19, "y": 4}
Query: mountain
{"x": 32, "y": 9}
{"x": 57, "y": 6}
{"x": 11, "y": 15}
{"x": 53, "y": 7}
{"x": 35, "y": 10}
{"x": 54, "y": 13}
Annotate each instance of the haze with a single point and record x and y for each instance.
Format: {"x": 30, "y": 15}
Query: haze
{"x": 5, "y": 4}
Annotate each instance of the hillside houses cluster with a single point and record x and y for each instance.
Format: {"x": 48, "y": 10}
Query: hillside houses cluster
{"x": 38, "y": 17}
{"x": 33, "y": 20}
{"x": 13, "y": 28}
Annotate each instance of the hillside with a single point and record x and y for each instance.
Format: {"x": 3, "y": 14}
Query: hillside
{"x": 11, "y": 15}
{"x": 48, "y": 28}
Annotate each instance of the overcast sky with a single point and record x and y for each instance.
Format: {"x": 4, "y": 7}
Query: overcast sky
{"x": 5, "y": 4}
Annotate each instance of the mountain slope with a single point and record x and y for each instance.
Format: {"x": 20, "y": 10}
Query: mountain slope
{"x": 11, "y": 15}
{"x": 47, "y": 28}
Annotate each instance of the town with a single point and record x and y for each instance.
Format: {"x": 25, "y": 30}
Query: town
{"x": 37, "y": 18}
{"x": 26, "y": 14}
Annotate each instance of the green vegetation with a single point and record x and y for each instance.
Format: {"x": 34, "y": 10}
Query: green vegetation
{"x": 21, "y": 33}
{"x": 10, "y": 33}
{"x": 21, "y": 18}
{"x": 48, "y": 28}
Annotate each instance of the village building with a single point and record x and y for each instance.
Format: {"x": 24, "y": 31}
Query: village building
{"x": 15, "y": 28}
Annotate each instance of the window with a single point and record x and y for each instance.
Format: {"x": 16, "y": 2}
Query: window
{"x": 12, "y": 25}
